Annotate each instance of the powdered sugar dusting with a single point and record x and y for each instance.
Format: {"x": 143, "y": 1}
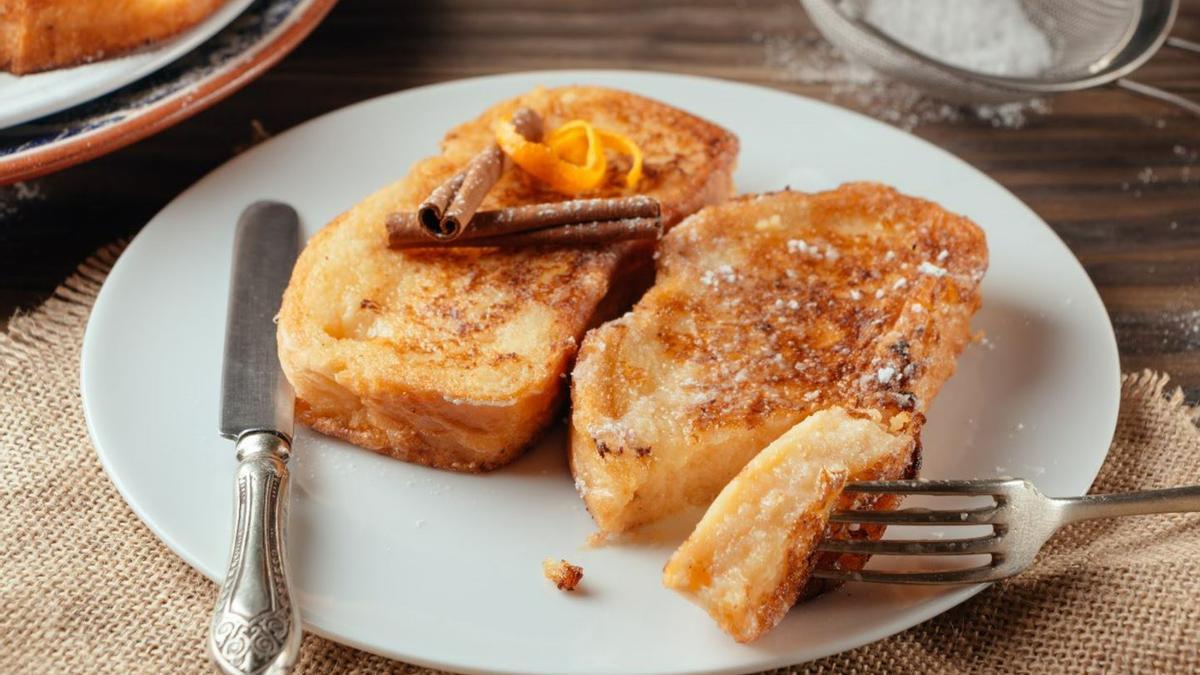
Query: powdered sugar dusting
{"x": 931, "y": 269}
{"x": 724, "y": 273}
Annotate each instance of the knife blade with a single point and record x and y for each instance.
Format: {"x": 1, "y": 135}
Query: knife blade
{"x": 254, "y": 393}
{"x": 255, "y": 625}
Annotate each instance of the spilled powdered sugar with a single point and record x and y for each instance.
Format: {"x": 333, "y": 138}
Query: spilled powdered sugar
{"x": 989, "y": 35}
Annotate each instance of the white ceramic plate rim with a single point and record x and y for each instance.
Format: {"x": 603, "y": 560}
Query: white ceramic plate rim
{"x": 84, "y": 82}
{"x": 1104, "y": 414}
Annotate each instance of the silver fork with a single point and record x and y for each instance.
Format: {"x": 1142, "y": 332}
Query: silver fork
{"x": 1022, "y": 520}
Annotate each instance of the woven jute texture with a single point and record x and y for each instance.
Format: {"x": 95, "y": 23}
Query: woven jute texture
{"x": 86, "y": 588}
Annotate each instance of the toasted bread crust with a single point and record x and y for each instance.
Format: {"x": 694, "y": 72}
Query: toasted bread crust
{"x": 455, "y": 358}
{"x": 40, "y": 35}
{"x": 764, "y": 310}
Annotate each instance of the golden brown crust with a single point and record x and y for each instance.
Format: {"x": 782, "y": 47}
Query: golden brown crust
{"x": 455, "y": 358}
{"x": 688, "y": 161}
{"x": 765, "y": 309}
{"x": 40, "y": 35}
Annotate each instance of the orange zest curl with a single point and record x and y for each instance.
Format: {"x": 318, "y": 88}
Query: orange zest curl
{"x": 571, "y": 159}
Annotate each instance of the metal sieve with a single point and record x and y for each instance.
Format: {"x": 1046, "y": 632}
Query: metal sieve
{"x": 1097, "y": 42}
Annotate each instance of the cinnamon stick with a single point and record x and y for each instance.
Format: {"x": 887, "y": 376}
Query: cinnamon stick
{"x": 478, "y": 178}
{"x": 405, "y": 232}
{"x": 578, "y": 234}
{"x": 452, "y": 204}
{"x": 433, "y": 209}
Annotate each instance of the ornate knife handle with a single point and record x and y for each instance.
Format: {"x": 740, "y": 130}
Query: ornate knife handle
{"x": 255, "y": 626}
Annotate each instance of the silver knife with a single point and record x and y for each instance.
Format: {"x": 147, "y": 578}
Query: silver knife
{"x": 255, "y": 625}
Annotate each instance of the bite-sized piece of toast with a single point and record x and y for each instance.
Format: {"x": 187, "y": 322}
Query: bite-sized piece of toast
{"x": 751, "y": 555}
{"x": 456, "y": 358}
{"x": 765, "y": 310}
{"x": 43, "y": 34}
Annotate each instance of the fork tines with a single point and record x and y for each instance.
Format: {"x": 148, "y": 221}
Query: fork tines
{"x": 996, "y": 515}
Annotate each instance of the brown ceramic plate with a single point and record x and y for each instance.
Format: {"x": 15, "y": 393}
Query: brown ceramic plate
{"x": 224, "y": 63}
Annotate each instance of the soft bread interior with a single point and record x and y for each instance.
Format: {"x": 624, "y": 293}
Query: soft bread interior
{"x": 751, "y": 554}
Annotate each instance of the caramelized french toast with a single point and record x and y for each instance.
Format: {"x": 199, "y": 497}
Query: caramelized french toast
{"x": 765, "y": 310}
{"x": 456, "y": 358}
{"x": 39, "y": 35}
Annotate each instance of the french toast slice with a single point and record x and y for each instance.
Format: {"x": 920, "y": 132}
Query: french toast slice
{"x": 765, "y": 310}
{"x": 456, "y": 358}
{"x": 39, "y": 35}
{"x": 751, "y": 555}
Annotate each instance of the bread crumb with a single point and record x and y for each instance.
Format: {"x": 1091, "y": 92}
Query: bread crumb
{"x": 564, "y": 575}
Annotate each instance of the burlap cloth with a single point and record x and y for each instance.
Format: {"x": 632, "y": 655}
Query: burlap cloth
{"x": 85, "y": 586}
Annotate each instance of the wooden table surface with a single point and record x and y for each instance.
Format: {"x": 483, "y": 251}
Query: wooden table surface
{"x": 1115, "y": 175}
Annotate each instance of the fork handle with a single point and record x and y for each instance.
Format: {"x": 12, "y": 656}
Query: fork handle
{"x": 1170, "y": 500}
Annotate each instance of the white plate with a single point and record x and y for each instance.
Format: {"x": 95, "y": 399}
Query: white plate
{"x": 444, "y": 569}
{"x": 31, "y": 96}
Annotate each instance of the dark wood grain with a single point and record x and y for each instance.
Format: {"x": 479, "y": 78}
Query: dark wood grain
{"x": 1080, "y": 167}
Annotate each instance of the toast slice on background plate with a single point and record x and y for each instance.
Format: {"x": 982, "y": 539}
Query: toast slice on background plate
{"x": 39, "y": 35}
{"x": 765, "y": 310}
{"x": 456, "y": 358}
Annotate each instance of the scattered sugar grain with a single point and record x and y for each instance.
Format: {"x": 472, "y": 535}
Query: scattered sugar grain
{"x": 931, "y": 269}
